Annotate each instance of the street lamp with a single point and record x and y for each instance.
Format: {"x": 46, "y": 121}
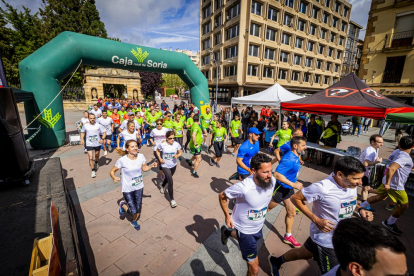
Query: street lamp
{"x": 217, "y": 77}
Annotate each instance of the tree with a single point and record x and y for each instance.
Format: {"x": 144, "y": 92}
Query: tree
{"x": 150, "y": 82}
{"x": 173, "y": 81}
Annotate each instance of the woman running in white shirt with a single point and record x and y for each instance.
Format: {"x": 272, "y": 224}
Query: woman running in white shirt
{"x": 128, "y": 134}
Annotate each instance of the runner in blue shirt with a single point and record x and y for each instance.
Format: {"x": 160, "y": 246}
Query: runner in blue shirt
{"x": 287, "y": 174}
{"x": 285, "y": 148}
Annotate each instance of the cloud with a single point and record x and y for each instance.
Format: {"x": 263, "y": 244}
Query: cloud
{"x": 359, "y": 14}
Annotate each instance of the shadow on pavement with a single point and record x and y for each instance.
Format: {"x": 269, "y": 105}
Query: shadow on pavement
{"x": 219, "y": 184}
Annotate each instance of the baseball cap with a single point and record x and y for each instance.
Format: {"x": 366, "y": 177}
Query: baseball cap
{"x": 254, "y": 130}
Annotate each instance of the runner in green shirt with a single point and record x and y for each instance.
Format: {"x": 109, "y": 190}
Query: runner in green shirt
{"x": 151, "y": 118}
{"x": 195, "y": 146}
{"x": 220, "y": 139}
{"x": 178, "y": 126}
{"x": 122, "y": 113}
{"x": 235, "y": 131}
{"x": 188, "y": 125}
{"x": 168, "y": 122}
{"x": 212, "y": 128}
{"x": 139, "y": 119}
{"x": 182, "y": 115}
{"x": 284, "y": 135}
{"x": 205, "y": 124}
{"x": 158, "y": 113}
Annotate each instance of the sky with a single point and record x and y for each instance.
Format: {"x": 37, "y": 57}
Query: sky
{"x": 165, "y": 23}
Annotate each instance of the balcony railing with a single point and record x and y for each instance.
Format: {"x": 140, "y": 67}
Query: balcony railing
{"x": 400, "y": 39}
{"x": 391, "y": 77}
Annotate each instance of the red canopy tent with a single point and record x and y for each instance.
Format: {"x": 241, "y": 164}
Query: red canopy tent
{"x": 351, "y": 97}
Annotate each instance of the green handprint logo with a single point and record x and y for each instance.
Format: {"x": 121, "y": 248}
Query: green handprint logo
{"x": 48, "y": 120}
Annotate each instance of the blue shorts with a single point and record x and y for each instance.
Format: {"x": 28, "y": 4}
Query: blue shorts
{"x": 134, "y": 201}
{"x": 248, "y": 244}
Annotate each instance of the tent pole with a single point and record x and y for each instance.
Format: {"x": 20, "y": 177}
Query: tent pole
{"x": 280, "y": 118}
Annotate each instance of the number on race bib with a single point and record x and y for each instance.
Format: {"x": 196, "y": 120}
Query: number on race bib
{"x": 137, "y": 180}
{"x": 179, "y": 131}
{"x": 93, "y": 138}
{"x": 219, "y": 139}
{"x": 257, "y": 214}
{"x": 347, "y": 209}
{"x": 169, "y": 156}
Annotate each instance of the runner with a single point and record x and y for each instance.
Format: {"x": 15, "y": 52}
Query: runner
{"x": 188, "y": 125}
{"x": 122, "y": 113}
{"x": 131, "y": 164}
{"x": 96, "y": 111}
{"x": 151, "y": 118}
{"x": 157, "y": 136}
{"x": 116, "y": 118}
{"x": 158, "y": 112}
{"x": 107, "y": 123}
{"x": 170, "y": 150}
{"x": 212, "y": 128}
{"x": 235, "y": 130}
{"x": 369, "y": 157}
{"x": 140, "y": 120}
{"x": 397, "y": 171}
{"x": 129, "y": 133}
{"x": 81, "y": 123}
{"x": 379, "y": 253}
{"x": 195, "y": 146}
{"x": 334, "y": 199}
{"x": 205, "y": 125}
{"x": 252, "y": 196}
{"x": 131, "y": 118}
{"x": 285, "y": 148}
{"x": 178, "y": 126}
{"x": 284, "y": 135}
{"x": 220, "y": 139}
{"x": 287, "y": 173}
{"x": 168, "y": 122}
{"x": 91, "y": 133}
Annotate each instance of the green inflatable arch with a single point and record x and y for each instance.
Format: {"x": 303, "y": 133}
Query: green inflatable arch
{"x": 42, "y": 71}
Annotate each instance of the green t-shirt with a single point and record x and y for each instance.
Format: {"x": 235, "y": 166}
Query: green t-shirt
{"x": 234, "y": 127}
{"x": 109, "y": 113}
{"x": 190, "y": 122}
{"x": 140, "y": 120}
{"x": 178, "y": 128}
{"x": 182, "y": 119}
{"x": 206, "y": 119}
{"x": 199, "y": 137}
{"x": 168, "y": 124}
{"x": 219, "y": 134}
{"x": 151, "y": 120}
{"x": 213, "y": 125}
{"x": 284, "y": 136}
{"x": 121, "y": 114}
{"x": 158, "y": 114}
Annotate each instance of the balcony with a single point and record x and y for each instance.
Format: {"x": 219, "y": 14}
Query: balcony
{"x": 391, "y": 77}
{"x": 399, "y": 40}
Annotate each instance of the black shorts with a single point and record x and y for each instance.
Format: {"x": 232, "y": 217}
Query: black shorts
{"x": 325, "y": 257}
{"x": 195, "y": 151}
{"x": 134, "y": 200}
{"x": 108, "y": 137}
{"x": 248, "y": 244}
{"x": 98, "y": 148}
{"x": 218, "y": 149}
{"x": 281, "y": 193}
{"x": 236, "y": 140}
{"x": 365, "y": 181}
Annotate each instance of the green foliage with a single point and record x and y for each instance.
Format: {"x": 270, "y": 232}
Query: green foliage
{"x": 173, "y": 80}
{"x": 170, "y": 91}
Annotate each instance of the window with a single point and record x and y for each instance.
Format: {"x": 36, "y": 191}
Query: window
{"x": 306, "y": 77}
{"x": 272, "y": 14}
{"x": 256, "y": 8}
{"x": 332, "y": 39}
{"x": 308, "y": 62}
{"x": 252, "y": 70}
{"x": 343, "y": 26}
{"x": 325, "y": 17}
{"x": 328, "y": 66}
{"x": 321, "y": 49}
{"x": 271, "y": 34}
{"x": 335, "y": 22}
{"x": 206, "y": 28}
{"x": 206, "y": 74}
{"x": 303, "y": 6}
{"x": 327, "y": 3}
{"x": 301, "y": 25}
{"x": 233, "y": 11}
{"x": 295, "y": 76}
{"x": 282, "y": 74}
{"x": 284, "y": 57}
{"x": 286, "y": 38}
{"x": 218, "y": 4}
{"x": 330, "y": 51}
{"x": 255, "y": 29}
{"x": 335, "y": 80}
{"x": 311, "y": 46}
{"x": 323, "y": 34}
{"x": 269, "y": 54}
{"x": 297, "y": 59}
{"x": 230, "y": 71}
{"x": 315, "y": 12}
{"x": 318, "y": 64}
{"x": 217, "y": 56}
{"x": 337, "y": 6}
{"x": 346, "y": 10}
{"x": 231, "y": 51}
{"x": 217, "y": 21}
{"x": 206, "y": 59}
{"x": 341, "y": 40}
{"x": 336, "y": 68}
{"x": 268, "y": 72}
{"x": 288, "y": 20}
{"x": 326, "y": 80}
{"x": 233, "y": 32}
{"x": 207, "y": 11}
{"x": 290, "y": 3}
{"x": 317, "y": 78}
{"x": 253, "y": 50}
{"x": 312, "y": 30}
{"x": 338, "y": 54}
{"x": 206, "y": 44}
{"x": 217, "y": 39}
{"x": 299, "y": 42}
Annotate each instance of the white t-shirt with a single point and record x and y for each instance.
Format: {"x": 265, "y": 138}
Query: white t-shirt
{"x": 93, "y": 133}
{"x": 331, "y": 202}
{"x": 167, "y": 153}
{"x": 333, "y": 271}
{"x": 249, "y": 212}
{"x": 369, "y": 154}
{"x": 131, "y": 172}
{"x": 158, "y": 136}
{"x": 106, "y": 123}
{"x": 400, "y": 176}
{"x": 97, "y": 113}
{"x": 128, "y": 136}
{"x": 84, "y": 121}
{"x": 125, "y": 122}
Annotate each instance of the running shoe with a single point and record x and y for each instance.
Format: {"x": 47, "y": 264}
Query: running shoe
{"x": 390, "y": 207}
{"x": 217, "y": 165}
{"x": 291, "y": 240}
{"x": 173, "y": 203}
{"x": 393, "y": 227}
{"x": 96, "y": 166}
{"x": 136, "y": 226}
{"x": 211, "y": 162}
{"x": 162, "y": 190}
{"x": 85, "y": 151}
{"x": 105, "y": 153}
{"x": 368, "y": 208}
{"x": 194, "y": 174}
{"x": 233, "y": 176}
{"x": 298, "y": 211}
{"x": 109, "y": 147}
{"x": 224, "y": 239}
{"x": 205, "y": 145}
{"x": 274, "y": 268}
{"x": 121, "y": 211}
{"x": 93, "y": 174}
{"x": 190, "y": 163}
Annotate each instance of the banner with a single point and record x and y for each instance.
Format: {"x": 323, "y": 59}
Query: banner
{"x": 3, "y": 81}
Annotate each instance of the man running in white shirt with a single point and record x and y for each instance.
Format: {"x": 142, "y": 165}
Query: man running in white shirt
{"x": 334, "y": 199}
{"x": 92, "y": 131}
{"x": 252, "y": 196}
{"x": 131, "y": 118}
{"x": 106, "y": 122}
{"x": 96, "y": 111}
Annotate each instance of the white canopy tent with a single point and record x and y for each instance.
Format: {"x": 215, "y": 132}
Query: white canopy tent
{"x": 272, "y": 96}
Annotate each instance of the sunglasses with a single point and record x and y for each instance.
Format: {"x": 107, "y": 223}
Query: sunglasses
{"x": 159, "y": 124}
{"x": 170, "y": 138}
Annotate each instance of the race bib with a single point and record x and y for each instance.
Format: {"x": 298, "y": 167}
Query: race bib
{"x": 218, "y": 139}
{"x": 257, "y": 214}
{"x": 169, "y": 156}
{"x": 93, "y": 138}
{"x": 347, "y": 209}
{"x": 116, "y": 125}
{"x": 236, "y": 131}
{"x": 179, "y": 131}
{"x": 108, "y": 127}
{"x": 136, "y": 180}
{"x": 207, "y": 121}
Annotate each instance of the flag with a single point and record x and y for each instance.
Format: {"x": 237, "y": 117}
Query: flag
{"x": 3, "y": 80}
